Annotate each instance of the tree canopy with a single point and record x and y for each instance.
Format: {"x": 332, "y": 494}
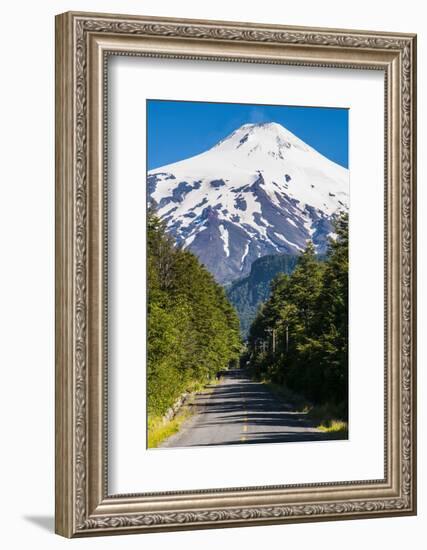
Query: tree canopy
{"x": 300, "y": 335}
{"x": 193, "y": 331}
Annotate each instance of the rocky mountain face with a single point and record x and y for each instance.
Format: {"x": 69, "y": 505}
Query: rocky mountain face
{"x": 260, "y": 191}
{"x": 248, "y": 293}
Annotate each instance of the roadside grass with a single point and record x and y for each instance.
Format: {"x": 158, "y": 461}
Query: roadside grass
{"x": 285, "y": 394}
{"x": 197, "y": 387}
{"x": 159, "y": 429}
{"x": 338, "y": 427}
{"x": 327, "y": 417}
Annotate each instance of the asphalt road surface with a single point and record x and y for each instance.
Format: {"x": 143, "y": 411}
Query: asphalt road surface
{"x": 239, "y": 410}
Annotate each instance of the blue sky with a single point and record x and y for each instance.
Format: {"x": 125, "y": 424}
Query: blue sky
{"x": 180, "y": 129}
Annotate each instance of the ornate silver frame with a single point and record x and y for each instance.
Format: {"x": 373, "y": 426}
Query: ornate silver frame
{"x": 83, "y": 505}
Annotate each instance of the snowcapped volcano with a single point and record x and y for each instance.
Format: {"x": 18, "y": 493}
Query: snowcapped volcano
{"x": 259, "y": 191}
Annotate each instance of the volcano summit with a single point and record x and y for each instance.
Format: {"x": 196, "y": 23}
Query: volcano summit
{"x": 259, "y": 191}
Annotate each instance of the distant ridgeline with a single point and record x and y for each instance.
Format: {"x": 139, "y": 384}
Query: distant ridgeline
{"x": 248, "y": 293}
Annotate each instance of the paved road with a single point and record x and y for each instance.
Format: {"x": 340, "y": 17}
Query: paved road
{"x": 239, "y": 410}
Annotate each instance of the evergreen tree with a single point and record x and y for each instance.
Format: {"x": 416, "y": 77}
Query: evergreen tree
{"x": 193, "y": 331}
{"x": 306, "y": 317}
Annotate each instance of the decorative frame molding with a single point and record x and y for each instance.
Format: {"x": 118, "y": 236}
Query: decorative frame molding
{"x": 83, "y": 43}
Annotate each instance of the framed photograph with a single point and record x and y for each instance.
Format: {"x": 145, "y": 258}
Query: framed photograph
{"x": 235, "y": 274}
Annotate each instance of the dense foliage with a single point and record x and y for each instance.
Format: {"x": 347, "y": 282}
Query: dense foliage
{"x": 248, "y": 293}
{"x": 193, "y": 331}
{"x": 300, "y": 335}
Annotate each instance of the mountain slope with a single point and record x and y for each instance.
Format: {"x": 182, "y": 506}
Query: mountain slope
{"x": 248, "y": 293}
{"x": 258, "y": 192}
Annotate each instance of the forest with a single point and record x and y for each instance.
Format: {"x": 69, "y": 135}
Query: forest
{"x": 247, "y": 294}
{"x": 193, "y": 331}
{"x": 299, "y": 338}
{"x": 297, "y": 342}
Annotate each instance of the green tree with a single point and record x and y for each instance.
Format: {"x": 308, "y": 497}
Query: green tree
{"x": 307, "y": 318}
{"x": 193, "y": 331}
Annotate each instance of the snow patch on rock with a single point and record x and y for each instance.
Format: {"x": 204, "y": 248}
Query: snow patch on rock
{"x": 260, "y": 184}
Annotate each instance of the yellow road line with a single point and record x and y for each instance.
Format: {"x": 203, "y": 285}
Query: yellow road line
{"x": 245, "y": 419}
